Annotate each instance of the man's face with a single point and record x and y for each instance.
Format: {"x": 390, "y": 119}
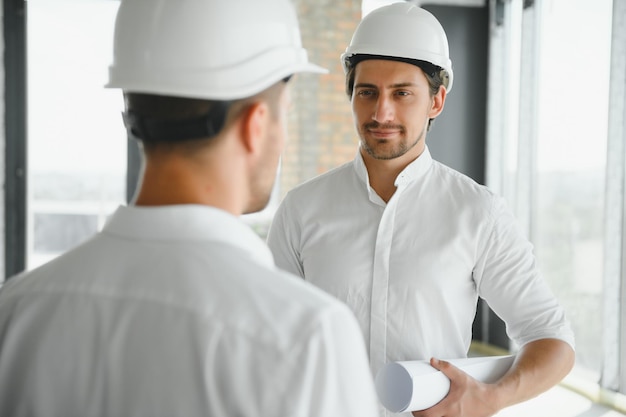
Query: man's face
{"x": 391, "y": 105}
{"x": 262, "y": 181}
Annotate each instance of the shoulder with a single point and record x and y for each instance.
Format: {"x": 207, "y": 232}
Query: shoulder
{"x": 255, "y": 302}
{"x": 291, "y": 296}
{"x": 454, "y": 182}
{"x": 321, "y": 183}
{"x": 313, "y": 197}
{"x": 271, "y": 306}
{"x": 454, "y": 178}
{"x": 39, "y": 278}
{"x": 465, "y": 198}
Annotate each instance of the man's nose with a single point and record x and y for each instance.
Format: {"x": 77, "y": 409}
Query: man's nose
{"x": 383, "y": 113}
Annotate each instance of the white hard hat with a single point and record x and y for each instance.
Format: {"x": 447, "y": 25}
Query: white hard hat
{"x": 404, "y": 31}
{"x": 206, "y": 49}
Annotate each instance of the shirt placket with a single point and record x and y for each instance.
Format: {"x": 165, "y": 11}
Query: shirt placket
{"x": 380, "y": 284}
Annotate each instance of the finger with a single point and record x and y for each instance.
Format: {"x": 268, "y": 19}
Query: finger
{"x": 435, "y": 363}
{"x": 449, "y": 370}
{"x": 439, "y": 364}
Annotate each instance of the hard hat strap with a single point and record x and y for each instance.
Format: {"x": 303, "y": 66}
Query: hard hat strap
{"x": 149, "y": 129}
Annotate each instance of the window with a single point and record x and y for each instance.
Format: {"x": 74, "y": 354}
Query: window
{"x": 553, "y": 154}
{"x": 76, "y": 139}
{"x": 568, "y": 204}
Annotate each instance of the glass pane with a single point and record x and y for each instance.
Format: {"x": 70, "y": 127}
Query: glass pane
{"x": 571, "y": 160}
{"x": 76, "y": 139}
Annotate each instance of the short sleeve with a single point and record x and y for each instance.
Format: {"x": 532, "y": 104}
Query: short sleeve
{"x": 509, "y": 281}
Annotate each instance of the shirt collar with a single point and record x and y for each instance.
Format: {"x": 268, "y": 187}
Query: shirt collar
{"x": 414, "y": 171}
{"x": 187, "y": 223}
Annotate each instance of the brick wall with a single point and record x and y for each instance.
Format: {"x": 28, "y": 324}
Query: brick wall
{"x": 321, "y": 131}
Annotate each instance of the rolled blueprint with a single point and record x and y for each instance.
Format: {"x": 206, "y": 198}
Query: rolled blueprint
{"x": 415, "y": 385}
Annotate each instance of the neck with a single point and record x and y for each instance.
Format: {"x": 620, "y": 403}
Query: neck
{"x": 382, "y": 173}
{"x": 172, "y": 181}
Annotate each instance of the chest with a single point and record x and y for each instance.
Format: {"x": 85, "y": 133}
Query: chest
{"x": 410, "y": 245}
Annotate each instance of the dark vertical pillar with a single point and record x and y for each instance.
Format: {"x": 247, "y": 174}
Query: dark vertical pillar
{"x": 14, "y": 27}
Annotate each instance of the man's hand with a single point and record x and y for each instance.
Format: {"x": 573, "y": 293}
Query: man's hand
{"x": 467, "y": 396}
{"x": 538, "y": 366}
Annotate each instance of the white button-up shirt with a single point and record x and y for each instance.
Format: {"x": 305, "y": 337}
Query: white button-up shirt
{"x": 412, "y": 269}
{"x": 176, "y": 311}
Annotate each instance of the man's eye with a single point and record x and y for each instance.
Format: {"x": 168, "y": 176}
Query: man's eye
{"x": 365, "y": 93}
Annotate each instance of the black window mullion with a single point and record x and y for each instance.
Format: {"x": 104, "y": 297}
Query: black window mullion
{"x": 15, "y": 136}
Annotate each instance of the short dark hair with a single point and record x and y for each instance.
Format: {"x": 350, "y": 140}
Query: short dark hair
{"x": 161, "y": 120}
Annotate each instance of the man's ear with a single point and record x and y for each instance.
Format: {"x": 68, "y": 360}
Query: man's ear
{"x": 439, "y": 100}
{"x": 254, "y": 125}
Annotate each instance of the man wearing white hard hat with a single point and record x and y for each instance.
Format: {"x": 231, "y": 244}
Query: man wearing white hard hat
{"x": 176, "y": 308}
{"x": 410, "y": 244}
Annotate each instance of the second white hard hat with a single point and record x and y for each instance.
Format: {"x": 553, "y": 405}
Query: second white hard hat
{"x": 208, "y": 49}
{"x": 401, "y": 30}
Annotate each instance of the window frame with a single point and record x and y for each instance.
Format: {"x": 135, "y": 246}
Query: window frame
{"x": 15, "y": 163}
{"x": 614, "y": 377}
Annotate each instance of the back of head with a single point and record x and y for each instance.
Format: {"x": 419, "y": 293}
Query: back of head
{"x": 403, "y": 32}
{"x": 214, "y": 50}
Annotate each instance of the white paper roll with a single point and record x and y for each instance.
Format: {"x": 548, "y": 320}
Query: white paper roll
{"x": 415, "y": 385}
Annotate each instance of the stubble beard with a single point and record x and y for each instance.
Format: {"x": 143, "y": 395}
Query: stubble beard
{"x": 261, "y": 187}
{"x": 381, "y": 149}
{"x": 261, "y": 181}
